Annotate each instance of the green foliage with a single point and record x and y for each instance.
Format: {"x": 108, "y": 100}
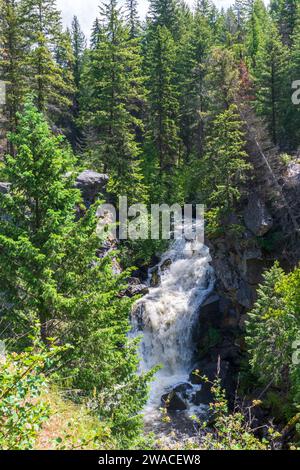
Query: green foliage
{"x": 22, "y": 381}
{"x": 55, "y": 276}
{"x": 113, "y": 85}
{"x": 230, "y": 431}
{"x": 272, "y": 329}
{"x": 223, "y": 167}
{"x": 162, "y": 133}
{"x": 272, "y": 82}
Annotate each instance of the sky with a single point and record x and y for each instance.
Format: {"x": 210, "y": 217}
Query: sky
{"x": 87, "y": 10}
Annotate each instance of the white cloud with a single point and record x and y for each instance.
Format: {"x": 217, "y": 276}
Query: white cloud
{"x": 87, "y": 10}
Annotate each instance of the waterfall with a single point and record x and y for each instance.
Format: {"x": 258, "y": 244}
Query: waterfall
{"x": 167, "y": 316}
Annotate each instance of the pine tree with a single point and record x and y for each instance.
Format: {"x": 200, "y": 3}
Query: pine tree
{"x": 95, "y": 34}
{"x": 269, "y": 331}
{"x": 272, "y": 82}
{"x": 165, "y": 13}
{"x": 132, "y": 18}
{"x": 224, "y": 166}
{"x": 292, "y": 111}
{"x": 114, "y": 85}
{"x": 193, "y": 56}
{"x": 162, "y": 139}
{"x": 256, "y": 27}
{"x": 65, "y": 59}
{"x": 284, "y": 12}
{"x": 221, "y": 79}
{"x": 79, "y": 45}
{"x": 50, "y": 271}
{"x": 12, "y": 54}
{"x": 43, "y": 32}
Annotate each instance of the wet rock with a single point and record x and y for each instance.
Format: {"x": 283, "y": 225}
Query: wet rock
{"x": 91, "y": 184}
{"x": 257, "y": 217}
{"x": 137, "y": 315}
{"x": 203, "y": 396}
{"x": 183, "y": 389}
{"x": 4, "y": 187}
{"x": 211, "y": 305}
{"x": 173, "y": 401}
{"x": 155, "y": 280}
{"x": 165, "y": 265}
{"x": 135, "y": 287}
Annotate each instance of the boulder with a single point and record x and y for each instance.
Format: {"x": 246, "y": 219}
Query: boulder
{"x": 135, "y": 287}
{"x": 173, "y": 401}
{"x": 165, "y": 265}
{"x": 183, "y": 389}
{"x": 155, "y": 279}
{"x": 4, "y": 187}
{"x": 203, "y": 396}
{"x": 257, "y": 217}
{"x": 292, "y": 177}
{"x": 91, "y": 184}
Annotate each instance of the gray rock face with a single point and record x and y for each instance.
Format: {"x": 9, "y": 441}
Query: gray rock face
{"x": 91, "y": 184}
{"x": 257, "y": 217}
{"x": 4, "y": 187}
{"x": 293, "y": 174}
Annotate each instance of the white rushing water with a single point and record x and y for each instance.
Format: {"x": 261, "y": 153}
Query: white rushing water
{"x": 168, "y": 314}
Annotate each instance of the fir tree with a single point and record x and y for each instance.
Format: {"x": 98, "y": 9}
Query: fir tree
{"x": 292, "y": 111}
{"x": 271, "y": 82}
{"x": 132, "y": 18}
{"x": 284, "y": 12}
{"x": 256, "y": 27}
{"x": 165, "y": 13}
{"x": 95, "y": 34}
{"x": 114, "y": 86}
{"x": 267, "y": 335}
{"x": 79, "y": 45}
{"x": 162, "y": 139}
{"x": 43, "y": 31}
{"x": 192, "y": 68}
{"x": 224, "y": 165}
{"x": 12, "y": 58}
{"x": 50, "y": 271}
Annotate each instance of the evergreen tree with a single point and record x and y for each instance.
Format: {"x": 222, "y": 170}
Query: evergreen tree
{"x": 272, "y": 82}
{"x": 256, "y": 27}
{"x": 284, "y": 12}
{"x": 12, "y": 54}
{"x": 65, "y": 59}
{"x": 165, "y": 13}
{"x": 132, "y": 18}
{"x": 193, "y": 56}
{"x": 270, "y": 331}
{"x": 292, "y": 111}
{"x": 223, "y": 169}
{"x": 79, "y": 45}
{"x": 114, "y": 85}
{"x": 43, "y": 32}
{"x": 50, "y": 271}
{"x": 221, "y": 79}
{"x": 162, "y": 139}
